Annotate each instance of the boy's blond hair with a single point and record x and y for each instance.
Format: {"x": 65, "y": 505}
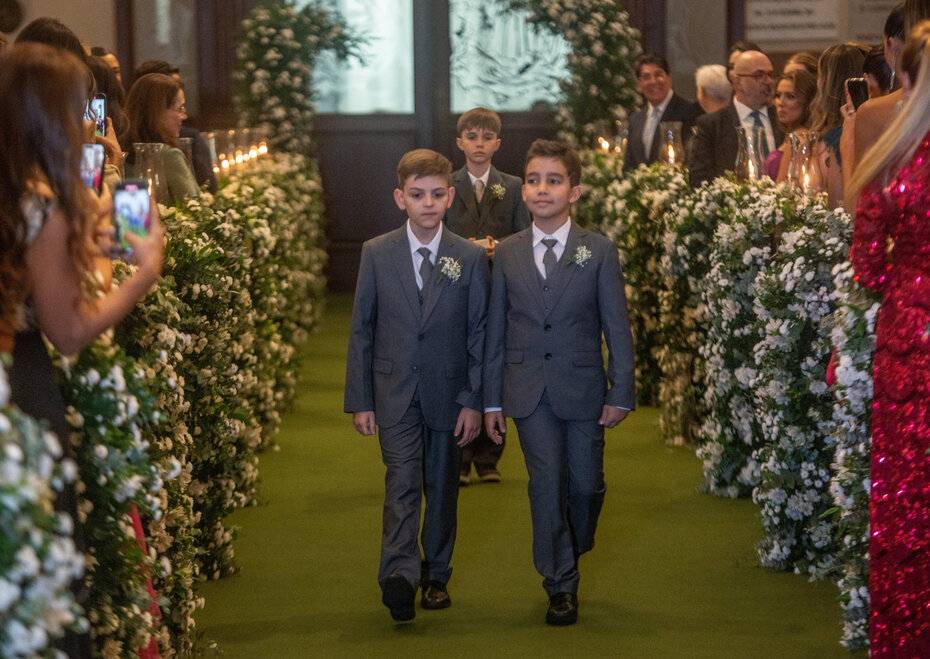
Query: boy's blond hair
{"x": 423, "y": 162}
{"x": 479, "y": 118}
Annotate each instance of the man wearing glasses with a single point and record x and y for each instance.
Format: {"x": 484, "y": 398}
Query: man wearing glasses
{"x": 716, "y": 143}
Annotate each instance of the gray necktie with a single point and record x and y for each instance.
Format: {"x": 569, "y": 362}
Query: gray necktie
{"x": 759, "y": 130}
{"x": 479, "y": 190}
{"x": 426, "y": 267}
{"x": 549, "y": 259}
{"x": 651, "y": 125}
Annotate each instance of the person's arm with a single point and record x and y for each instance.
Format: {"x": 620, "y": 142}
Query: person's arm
{"x": 178, "y": 174}
{"x": 494, "y": 355}
{"x": 359, "y": 387}
{"x": 68, "y": 319}
{"x": 615, "y": 323}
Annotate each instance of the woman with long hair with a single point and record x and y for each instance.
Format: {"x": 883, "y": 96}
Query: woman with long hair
{"x": 49, "y": 225}
{"x": 892, "y": 187}
{"x": 794, "y": 92}
{"x": 156, "y": 107}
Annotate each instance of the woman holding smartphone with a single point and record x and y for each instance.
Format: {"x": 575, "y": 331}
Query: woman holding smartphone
{"x": 156, "y": 108}
{"x": 48, "y": 238}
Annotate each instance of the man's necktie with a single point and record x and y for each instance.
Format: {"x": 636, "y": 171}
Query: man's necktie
{"x": 759, "y": 130}
{"x": 479, "y": 190}
{"x": 549, "y": 259}
{"x": 426, "y": 270}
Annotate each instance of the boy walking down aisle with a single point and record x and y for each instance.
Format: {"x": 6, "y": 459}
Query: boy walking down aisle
{"x": 557, "y": 289}
{"x": 413, "y": 374}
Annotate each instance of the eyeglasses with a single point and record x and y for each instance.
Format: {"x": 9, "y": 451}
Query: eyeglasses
{"x": 181, "y": 109}
{"x": 758, "y": 76}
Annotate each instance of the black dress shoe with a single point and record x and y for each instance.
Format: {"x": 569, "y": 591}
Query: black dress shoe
{"x": 563, "y": 609}
{"x": 435, "y": 595}
{"x": 399, "y": 596}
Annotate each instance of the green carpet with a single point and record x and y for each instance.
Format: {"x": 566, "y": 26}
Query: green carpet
{"x": 674, "y": 573}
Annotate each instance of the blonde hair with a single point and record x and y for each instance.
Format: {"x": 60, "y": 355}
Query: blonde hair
{"x": 897, "y": 145}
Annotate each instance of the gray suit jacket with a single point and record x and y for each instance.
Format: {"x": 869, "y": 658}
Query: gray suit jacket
{"x": 530, "y": 349}
{"x": 397, "y": 347}
{"x": 498, "y": 218}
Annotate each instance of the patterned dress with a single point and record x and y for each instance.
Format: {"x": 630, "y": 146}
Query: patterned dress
{"x": 899, "y": 544}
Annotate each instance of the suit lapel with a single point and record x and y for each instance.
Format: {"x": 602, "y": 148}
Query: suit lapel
{"x": 528, "y": 265}
{"x": 566, "y": 268}
{"x": 465, "y": 191}
{"x": 403, "y": 264}
{"x": 484, "y": 208}
{"x": 447, "y": 248}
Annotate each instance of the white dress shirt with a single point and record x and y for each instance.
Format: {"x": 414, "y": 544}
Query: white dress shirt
{"x": 539, "y": 249}
{"x": 652, "y": 121}
{"x": 747, "y": 121}
{"x": 417, "y": 258}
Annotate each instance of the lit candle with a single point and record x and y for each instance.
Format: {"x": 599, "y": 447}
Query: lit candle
{"x": 671, "y": 154}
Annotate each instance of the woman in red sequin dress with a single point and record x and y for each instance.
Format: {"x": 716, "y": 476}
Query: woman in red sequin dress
{"x": 894, "y": 178}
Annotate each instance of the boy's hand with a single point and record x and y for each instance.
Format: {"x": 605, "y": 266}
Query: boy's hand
{"x": 468, "y": 425}
{"x": 612, "y": 416}
{"x": 364, "y": 422}
{"x": 496, "y": 426}
{"x": 489, "y": 248}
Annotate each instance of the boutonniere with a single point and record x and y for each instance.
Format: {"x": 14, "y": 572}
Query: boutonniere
{"x": 581, "y": 255}
{"x": 496, "y": 191}
{"x": 450, "y": 268}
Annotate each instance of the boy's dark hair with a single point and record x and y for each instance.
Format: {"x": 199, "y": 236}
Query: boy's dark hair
{"x": 423, "y": 162}
{"x": 479, "y": 118}
{"x": 560, "y": 151}
{"x": 651, "y": 58}
{"x": 52, "y": 32}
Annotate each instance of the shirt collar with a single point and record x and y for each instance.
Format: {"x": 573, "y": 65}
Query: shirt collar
{"x": 663, "y": 104}
{"x": 744, "y": 111}
{"x": 415, "y": 243}
{"x": 483, "y": 179}
{"x": 560, "y": 234}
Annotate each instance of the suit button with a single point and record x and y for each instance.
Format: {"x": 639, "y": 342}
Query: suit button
{"x": 547, "y": 327}
{"x": 420, "y": 337}
{"x": 546, "y": 288}
{"x": 416, "y": 368}
{"x": 547, "y": 357}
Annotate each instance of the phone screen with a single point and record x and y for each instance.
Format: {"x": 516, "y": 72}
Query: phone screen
{"x": 131, "y": 210}
{"x": 858, "y": 90}
{"x": 92, "y": 166}
{"x": 96, "y": 112}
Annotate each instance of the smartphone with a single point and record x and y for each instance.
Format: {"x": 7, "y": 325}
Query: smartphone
{"x": 858, "y": 90}
{"x": 130, "y": 210}
{"x": 96, "y": 111}
{"x": 92, "y": 166}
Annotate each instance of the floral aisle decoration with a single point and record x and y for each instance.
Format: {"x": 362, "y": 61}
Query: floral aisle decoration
{"x": 854, "y": 338}
{"x": 742, "y": 248}
{"x": 38, "y": 559}
{"x": 683, "y": 315}
{"x": 111, "y": 412}
{"x": 602, "y": 86}
{"x": 794, "y": 301}
{"x": 277, "y": 46}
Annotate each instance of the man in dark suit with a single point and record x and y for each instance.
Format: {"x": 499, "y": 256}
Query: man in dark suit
{"x": 413, "y": 372}
{"x": 557, "y": 290}
{"x": 487, "y": 206}
{"x": 716, "y": 144}
{"x": 662, "y": 104}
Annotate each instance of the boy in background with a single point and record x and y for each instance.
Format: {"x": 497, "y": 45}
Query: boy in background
{"x": 487, "y": 207}
{"x": 557, "y": 290}
{"x": 413, "y": 374}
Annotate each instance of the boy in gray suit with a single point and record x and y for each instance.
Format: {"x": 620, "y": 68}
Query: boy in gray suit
{"x": 487, "y": 207}
{"x": 414, "y": 374}
{"x": 557, "y": 289}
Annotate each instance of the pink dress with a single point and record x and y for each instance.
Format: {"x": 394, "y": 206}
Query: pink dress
{"x": 899, "y": 522}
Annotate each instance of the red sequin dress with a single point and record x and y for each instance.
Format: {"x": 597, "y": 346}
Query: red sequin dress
{"x": 899, "y": 544}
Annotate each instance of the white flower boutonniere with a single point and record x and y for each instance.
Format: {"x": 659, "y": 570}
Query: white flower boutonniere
{"x": 450, "y": 268}
{"x": 496, "y": 191}
{"x": 581, "y": 255}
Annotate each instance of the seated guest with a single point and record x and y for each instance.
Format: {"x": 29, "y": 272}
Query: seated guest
{"x": 105, "y": 83}
{"x": 716, "y": 143}
{"x": 156, "y": 108}
{"x": 54, "y": 33}
{"x": 793, "y": 95}
{"x": 200, "y": 152}
{"x": 662, "y": 104}
{"x": 837, "y": 63}
{"x": 714, "y": 91}
{"x": 805, "y": 60}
